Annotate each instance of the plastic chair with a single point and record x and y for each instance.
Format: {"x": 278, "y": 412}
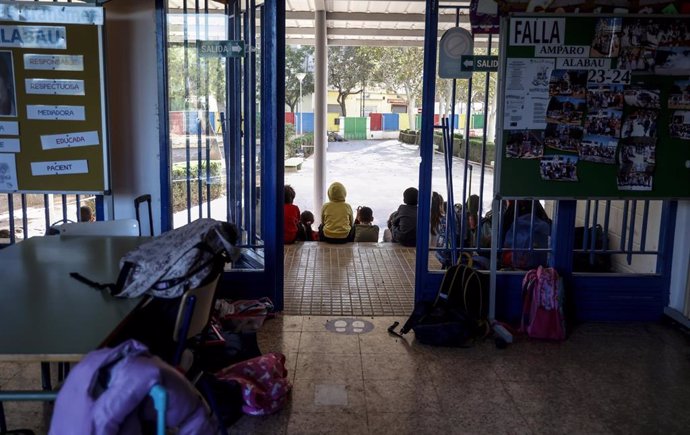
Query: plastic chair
{"x": 160, "y": 402}
{"x": 22, "y": 396}
{"x": 193, "y": 316}
{"x": 194, "y": 319}
{"x": 117, "y": 227}
{"x": 137, "y": 201}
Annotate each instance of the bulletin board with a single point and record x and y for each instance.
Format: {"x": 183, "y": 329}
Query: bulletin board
{"x": 53, "y": 135}
{"x": 594, "y": 106}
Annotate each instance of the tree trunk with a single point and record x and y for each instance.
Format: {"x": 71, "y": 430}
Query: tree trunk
{"x": 341, "y": 101}
{"x": 411, "y": 112}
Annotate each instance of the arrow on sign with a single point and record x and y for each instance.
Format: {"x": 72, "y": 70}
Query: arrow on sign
{"x": 468, "y": 63}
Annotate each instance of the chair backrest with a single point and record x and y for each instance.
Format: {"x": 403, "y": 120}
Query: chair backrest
{"x": 195, "y": 310}
{"x": 137, "y": 201}
{"x": 118, "y": 227}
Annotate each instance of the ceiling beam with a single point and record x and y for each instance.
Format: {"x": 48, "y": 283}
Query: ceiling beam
{"x": 372, "y": 42}
{"x": 337, "y": 31}
{"x": 369, "y": 16}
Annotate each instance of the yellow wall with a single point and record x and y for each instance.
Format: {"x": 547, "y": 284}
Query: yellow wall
{"x": 330, "y": 122}
{"x": 353, "y": 102}
{"x": 403, "y": 121}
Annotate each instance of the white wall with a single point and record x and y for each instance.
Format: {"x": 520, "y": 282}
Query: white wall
{"x": 680, "y": 291}
{"x": 132, "y": 86}
{"x": 640, "y": 263}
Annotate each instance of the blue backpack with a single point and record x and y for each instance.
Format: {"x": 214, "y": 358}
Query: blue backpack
{"x": 523, "y": 258}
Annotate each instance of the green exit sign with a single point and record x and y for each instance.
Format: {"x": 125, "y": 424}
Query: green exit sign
{"x": 479, "y": 63}
{"x": 220, "y": 48}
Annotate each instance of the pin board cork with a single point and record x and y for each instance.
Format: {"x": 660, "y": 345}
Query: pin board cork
{"x": 594, "y": 106}
{"x": 53, "y": 129}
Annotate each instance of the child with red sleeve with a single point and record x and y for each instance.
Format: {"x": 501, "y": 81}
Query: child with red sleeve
{"x": 291, "y": 215}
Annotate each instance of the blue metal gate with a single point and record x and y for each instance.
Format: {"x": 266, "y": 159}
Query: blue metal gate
{"x": 634, "y": 237}
{"x": 231, "y": 172}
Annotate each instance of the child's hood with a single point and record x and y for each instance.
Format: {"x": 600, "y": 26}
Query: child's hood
{"x": 337, "y": 192}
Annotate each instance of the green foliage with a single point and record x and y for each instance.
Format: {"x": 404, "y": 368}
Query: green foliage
{"x": 409, "y": 136}
{"x": 349, "y": 68}
{"x": 400, "y": 68}
{"x": 189, "y": 83}
{"x": 413, "y": 137}
{"x": 216, "y": 180}
{"x": 295, "y": 62}
{"x": 289, "y": 131}
{"x": 476, "y": 150}
{"x": 296, "y": 144}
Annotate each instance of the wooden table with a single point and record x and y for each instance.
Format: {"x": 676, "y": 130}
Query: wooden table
{"x": 46, "y": 315}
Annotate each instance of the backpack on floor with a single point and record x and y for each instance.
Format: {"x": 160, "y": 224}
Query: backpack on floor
{"x": 542, "y": 304}
{"x": 457, "y": 315}
{"x": 263, "y": 380}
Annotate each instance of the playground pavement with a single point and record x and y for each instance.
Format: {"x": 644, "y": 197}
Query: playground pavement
{"x": 375, "y": 174}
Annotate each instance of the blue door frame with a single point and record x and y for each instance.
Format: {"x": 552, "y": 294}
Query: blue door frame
{"x": 269, "y": 280}
{"x": 241, "y": 149}
{"x": 591, "y": 297}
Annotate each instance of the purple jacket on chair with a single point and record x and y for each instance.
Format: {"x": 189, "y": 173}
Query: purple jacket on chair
{"x": 103, "y": 395}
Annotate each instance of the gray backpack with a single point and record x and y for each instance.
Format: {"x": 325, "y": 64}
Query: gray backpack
{"x": 167, "y": 265}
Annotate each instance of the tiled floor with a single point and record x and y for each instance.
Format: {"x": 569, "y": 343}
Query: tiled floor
{"x": 606, "y": 378}
{"x": 621, "y": 379}
{"x": 360, "y": 279}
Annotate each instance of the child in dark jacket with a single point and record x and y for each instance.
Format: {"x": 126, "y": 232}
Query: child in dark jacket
{"x": 306, "y": 233}
{"x": 403, "y": 222}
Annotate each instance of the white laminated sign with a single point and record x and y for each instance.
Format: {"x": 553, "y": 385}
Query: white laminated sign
{"x": 64, "y": 167}
{"x": 54, "y": 87}
{"x": 68, "y": 140}
{"x": 66, "y": 113}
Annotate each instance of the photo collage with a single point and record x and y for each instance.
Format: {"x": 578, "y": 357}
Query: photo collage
{"x": 611, "y": 117}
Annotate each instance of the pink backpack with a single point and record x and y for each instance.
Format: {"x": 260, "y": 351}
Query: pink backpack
{"x": 264, "y": 382}
{"x": 542, "y": 304}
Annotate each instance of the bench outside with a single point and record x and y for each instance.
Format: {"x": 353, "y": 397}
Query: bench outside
{"x": 294, "y": 163}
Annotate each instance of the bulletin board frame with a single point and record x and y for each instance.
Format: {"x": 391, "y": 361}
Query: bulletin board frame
{"x": 56, "y": 134}
{"x": 612, "y": 160}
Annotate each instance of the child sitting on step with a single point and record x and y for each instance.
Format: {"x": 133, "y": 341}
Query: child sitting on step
{"x": 364, "y": 230}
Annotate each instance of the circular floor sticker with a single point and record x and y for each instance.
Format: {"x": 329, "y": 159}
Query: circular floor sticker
{"x": 349, "y": 326}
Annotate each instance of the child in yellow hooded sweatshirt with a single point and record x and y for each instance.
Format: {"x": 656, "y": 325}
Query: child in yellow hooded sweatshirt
{"x": 336, "y": 217}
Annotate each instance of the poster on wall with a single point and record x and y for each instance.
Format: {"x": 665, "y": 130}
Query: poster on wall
{"x": 8, "y": 96}
{"x": 8, "y": 173}
{"x": 527, "y": 93}
{"x": 525, "y": 144}
{"x": 641, "y": 96}
{"x": 563, "y": 137}
{"x": 52, "y": 101}
{"x": 558, "y": 167}
{"x": 636, "y": 167}
{"x": 617, "y": 98}
{"x": 606, "y": 41}
{"x": 680, "y": 125}
{"x": 679, "y": 97}
{"x": 651, "y": 46}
